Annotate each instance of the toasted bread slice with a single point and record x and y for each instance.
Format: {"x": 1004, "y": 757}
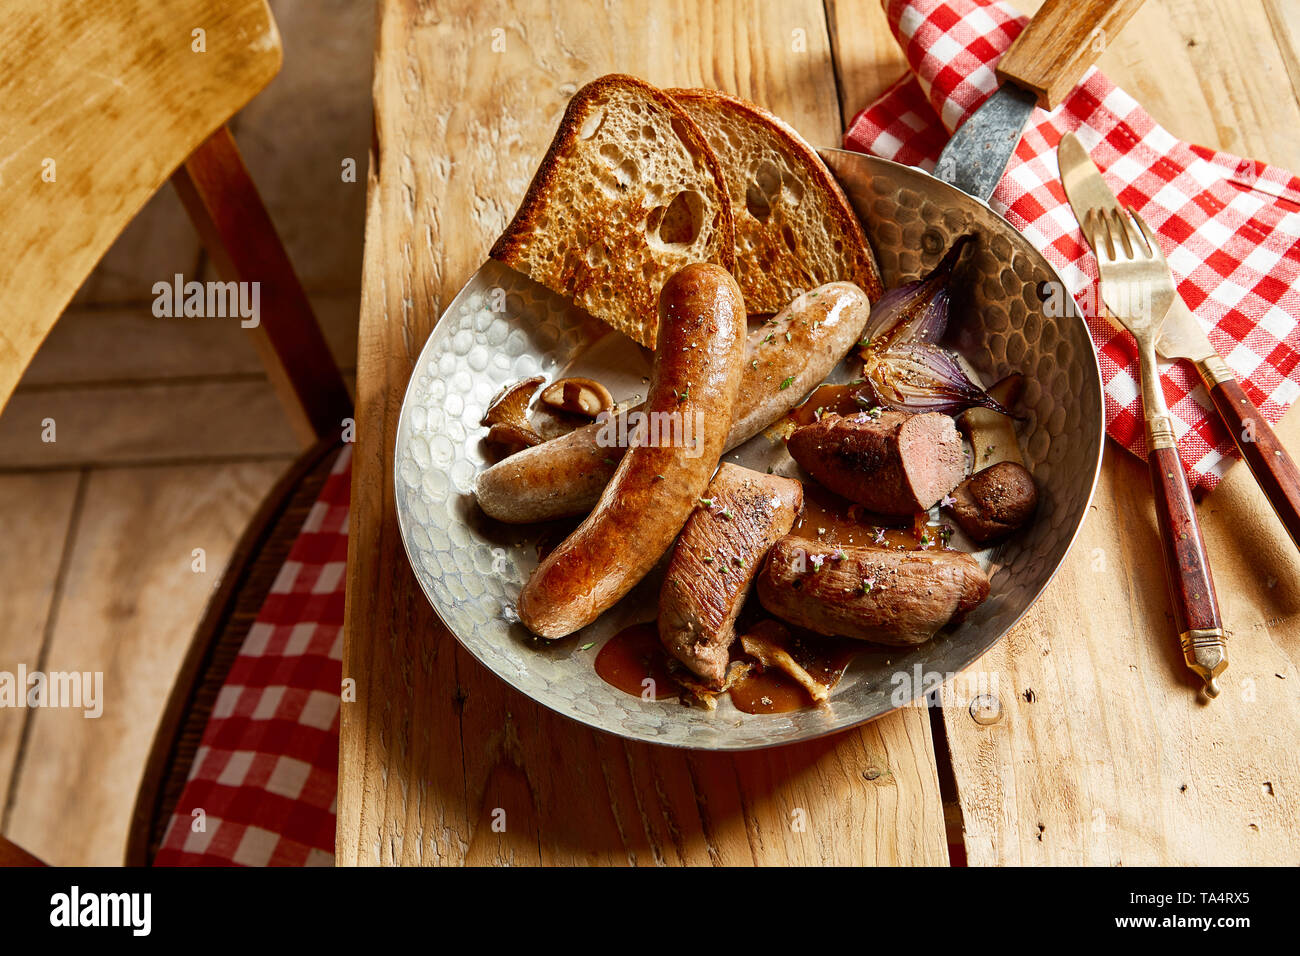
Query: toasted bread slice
{"x": 795, "y": 230}
{"x": 628, "y": 193}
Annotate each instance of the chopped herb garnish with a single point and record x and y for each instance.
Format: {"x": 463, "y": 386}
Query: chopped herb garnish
{"x": 786, "y": 383}
{"x": 609, "y": 461}
{"x": 586, "y": 647}
{"x": 707, "y": 502}
{"x": 788, "y": 336}
{"x": 867, "y": 585}
{"x": 726, "y": 513}
{"x": 708, "y": 560}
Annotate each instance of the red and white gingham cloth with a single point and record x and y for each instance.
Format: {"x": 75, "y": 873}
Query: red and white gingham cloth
{"x": 1230, "y": 226}
{"x": 266, "y": 772}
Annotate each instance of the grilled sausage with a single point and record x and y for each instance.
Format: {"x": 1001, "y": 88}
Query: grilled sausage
{"x": 565, "y": 476}
{"x": 743, "y": 513}
{"x": 992, "y": 503}
{"x": 893, "y": 463}
{"x": 872, "y": 594}
{"x": 700, "y": 348}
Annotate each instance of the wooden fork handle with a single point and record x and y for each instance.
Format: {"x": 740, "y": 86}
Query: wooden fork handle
{"x": 1063, "y": 39}
{"x": 1259, "y": 445}
{"x": 1187, "y": 569}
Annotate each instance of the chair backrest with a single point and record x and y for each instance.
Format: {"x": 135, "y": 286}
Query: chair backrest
{"x": 100, "y": 101}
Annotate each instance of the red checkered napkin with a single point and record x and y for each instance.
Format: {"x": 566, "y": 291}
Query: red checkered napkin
{"x": 1230, "y": 227}
{"x": 266, "y": 773}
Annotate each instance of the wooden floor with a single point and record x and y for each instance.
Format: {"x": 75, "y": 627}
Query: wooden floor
{"x": 167, "y": 434}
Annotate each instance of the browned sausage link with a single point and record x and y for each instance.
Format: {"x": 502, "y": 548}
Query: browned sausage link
{"x": 693, "y": 389}
{"x": 785, "y": 358}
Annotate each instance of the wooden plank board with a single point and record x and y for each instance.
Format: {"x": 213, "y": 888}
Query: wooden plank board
{"x": 239, "y": 417}
{"x": 1103, "y": 753}
{"x": 128, "y": 609}
{"x": 1284, "y": 18}
{"x": 35, "y": 511}
{"x": 298, "y": 133}
{"x": 435, "y": 745}
{"x": 128, "y": 344}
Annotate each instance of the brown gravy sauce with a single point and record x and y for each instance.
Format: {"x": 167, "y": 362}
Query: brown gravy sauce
{"x": 633, "y": 656}
{"x": 830, "y": 518}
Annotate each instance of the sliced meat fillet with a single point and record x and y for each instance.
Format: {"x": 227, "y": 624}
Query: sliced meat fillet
{"x": 872, "y": 594}
{"x": 721, "y": 547}
{"x": 890, "y": 462}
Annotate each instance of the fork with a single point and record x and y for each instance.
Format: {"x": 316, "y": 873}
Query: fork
{"x": 1138, "y": 289}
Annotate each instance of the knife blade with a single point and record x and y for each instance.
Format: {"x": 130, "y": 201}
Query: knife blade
{"x": 1044, "y": 63}
{"x": 1181, "y": 334}
{"x": 1183, "y": 337}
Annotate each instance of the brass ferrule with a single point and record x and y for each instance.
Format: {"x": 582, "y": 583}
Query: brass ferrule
{"x": 1160, "y": 432}
{"x": 1205, "y": 651}
{"x": 1214, "y": 371}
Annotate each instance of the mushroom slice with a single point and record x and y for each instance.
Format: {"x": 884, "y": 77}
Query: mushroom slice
{"x": 578, "y": 396}
{"x": 992, "y": 435}
{"x": 506, "y": 417}
{"x": 765, "y": 644}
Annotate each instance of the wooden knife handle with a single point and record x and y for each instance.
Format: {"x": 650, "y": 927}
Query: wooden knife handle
{"x": 1187, "y": 570}
{"x": 1063, "y": 39}
{"x": 1273, "y": 468}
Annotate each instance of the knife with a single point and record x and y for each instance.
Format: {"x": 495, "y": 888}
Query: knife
{"x": 1041, "y": 67}
{"x": 1182, "y": 337}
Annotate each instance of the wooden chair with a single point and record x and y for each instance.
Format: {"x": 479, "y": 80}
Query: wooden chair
{"x": 106, "y": 100}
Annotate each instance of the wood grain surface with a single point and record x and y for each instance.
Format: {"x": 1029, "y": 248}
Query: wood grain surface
{"x": 1104, "y": 753}
{"x": 435, "y": 744}
{"x": 1099, "y": 749}
{"x": 1061, "y": 42}
{"x": 118, "y": 132}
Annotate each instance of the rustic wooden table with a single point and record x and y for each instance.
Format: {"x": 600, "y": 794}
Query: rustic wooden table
{"x": 1103, "y": 753}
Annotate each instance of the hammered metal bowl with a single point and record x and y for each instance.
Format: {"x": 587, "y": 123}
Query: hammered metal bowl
{"x": 501, "y": 327}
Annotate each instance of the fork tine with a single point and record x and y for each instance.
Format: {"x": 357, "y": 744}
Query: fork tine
{"x": 1120, "y": 225}
{"x": 1140, "y": 246}
{"x": 1098, "y": 235}
{"x": 1153, "y": 247}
